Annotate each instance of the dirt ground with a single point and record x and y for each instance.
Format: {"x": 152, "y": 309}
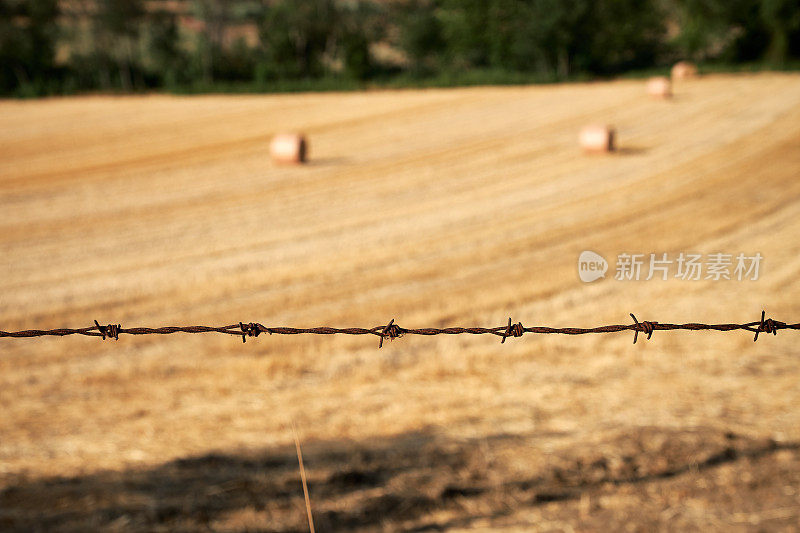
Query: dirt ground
{"x": 435, "y": 208}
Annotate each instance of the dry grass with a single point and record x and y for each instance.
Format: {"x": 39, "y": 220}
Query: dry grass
{"x": 440, "y": 207}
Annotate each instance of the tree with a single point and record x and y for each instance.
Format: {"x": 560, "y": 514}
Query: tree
{"x": 782, "y": 19}
{"x": 465, "y": 31}
{"x": 628, "y": 35}
{"x": 164, "y": 56}
{"x": 116, "y": 30}
{"x": 28, "y": 36}
{"x": 550, "y": 36}
{"x": 421, "y": 36}
{"x": 360, "y": 25}
{"x": 215, "y": 15}
{"x": 298, "y": 36}
{"x": 729, "y": 30}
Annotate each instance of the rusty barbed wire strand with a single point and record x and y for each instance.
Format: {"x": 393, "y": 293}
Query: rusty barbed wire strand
{"x": 392, "y": 331}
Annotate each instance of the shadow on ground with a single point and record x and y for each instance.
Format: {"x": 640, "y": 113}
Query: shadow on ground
{"x": 632, "y": 150}
{"x": 420, "y": 481}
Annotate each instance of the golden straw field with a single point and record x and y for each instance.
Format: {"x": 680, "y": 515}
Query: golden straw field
{"x": 437, "y": 208}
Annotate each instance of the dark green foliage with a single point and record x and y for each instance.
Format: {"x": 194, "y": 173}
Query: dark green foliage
{"x": 115, "y": 30}
{"x": 466, "y": 33}
{"x": 119, "y": 18}
{"x": 551, "y": 37}
{"x": 28, "y": 35}
{"x": 739, "y": 30}
{"x": 164, "y": 59}
{"x": 235, "y": 63}
{"x": 360, "y": 24}
{"x": 317, "y": 38}
{"x": 295, "y": 36}
{"x": 421, "y": 35}
{"x": 140, "y": 44}
{"x": 631, "y": 37}
{"x": 782, "y": 21}
{"x": 355, "y": 52}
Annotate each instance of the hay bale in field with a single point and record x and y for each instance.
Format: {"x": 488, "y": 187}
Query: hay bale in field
{"x": 597, "y": 138}
{"x": 659, "y": 87}
{"x": 684, "y": 70}
{"x": 289, "y": 148}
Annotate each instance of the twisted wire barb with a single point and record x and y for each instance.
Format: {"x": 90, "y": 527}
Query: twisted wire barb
{"x": 392, "y": 331}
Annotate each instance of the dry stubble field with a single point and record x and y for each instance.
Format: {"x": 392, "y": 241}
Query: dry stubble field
{"x": 436, "y": 208}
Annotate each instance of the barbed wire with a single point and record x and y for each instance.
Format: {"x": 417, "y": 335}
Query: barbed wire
{"x": 392, "y": 331}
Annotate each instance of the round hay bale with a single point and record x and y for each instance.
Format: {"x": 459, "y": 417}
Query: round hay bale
{"x": 289, "y": 148}
{"x": 597, "y": 138}
{"x": 659, "y": 87}
{"x": 684, "y": 70}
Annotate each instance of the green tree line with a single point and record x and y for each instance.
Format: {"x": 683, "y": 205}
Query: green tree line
{"x": 129, "y": 45}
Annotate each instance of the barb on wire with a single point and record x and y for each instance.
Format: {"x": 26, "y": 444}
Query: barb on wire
{"x": 112, "y": 330}
{"x": 392, "y": 331}
{"x": 252, "y": 330}
{"x": 515, "y": 330}
{"x": 644, "y": 327}
{"x": 768, "y": 326}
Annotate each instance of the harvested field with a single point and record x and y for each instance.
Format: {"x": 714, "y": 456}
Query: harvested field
{"x": 436, "y": 208}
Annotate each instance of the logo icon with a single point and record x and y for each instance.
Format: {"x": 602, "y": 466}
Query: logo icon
{"x": 591, "y": 266}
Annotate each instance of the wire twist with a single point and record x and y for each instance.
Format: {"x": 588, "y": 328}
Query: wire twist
{"x": 515, "y": 330}
{"x": 644, "y": 327}
{"x": 392, "y": 331}
{"x": 111, "y": 330}
{"x": 251, "y": 329}
{"x": 768, "y": 326}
